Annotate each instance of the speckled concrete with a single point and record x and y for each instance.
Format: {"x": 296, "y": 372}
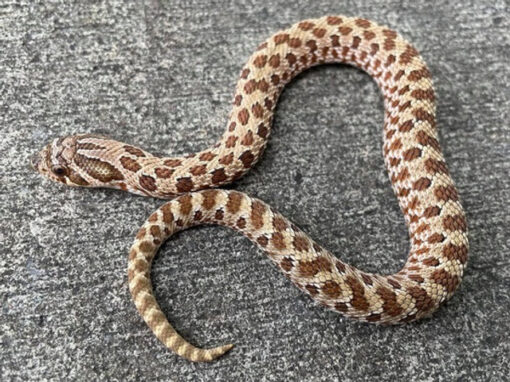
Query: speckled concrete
{"x": 161, "y": 76}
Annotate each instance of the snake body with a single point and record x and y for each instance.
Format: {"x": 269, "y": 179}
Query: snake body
{"x": 417, "y": 170}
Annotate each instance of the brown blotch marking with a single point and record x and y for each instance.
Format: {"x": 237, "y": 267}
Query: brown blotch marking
{"x": 333, "y": 20}
{"x": 335, "y": 41}
{"x": 435, "y": 238}
{"x": 247, "y": 139}
{"x": 331, "y": 289}
{"x": 394, "y": 283}
{"x": 319, "y": 32}
{"x": 268, "y": 104}
{"x": 447, "y": 280}
{"x": 147, "y": 182}
{"x": 417, "y": 75}
{"x": 227, "y": 159}
{"x": 146, "y": 247}
{"x": 356, "y": 40}
{"x": 406, "y": 126}
{"x": 232, "y": 126}
{"x": 395, "y": 145}
{"x": 185, "y": 204}
{"x": 367, "y": 279}
{"x": 207, "y": 156}
{"x": 260, "y": 61}
{"x": 390, "y": 304}
{"x": 430, "y": 262}
{"x": 391, "y": 58}
{"x": 408, "y": 55}
{"x": 374, "y": 48}
{"x": 401, "y": 176}
{"x": 275, "y": 79}
{"x": 102, "y": 171}
{"x": 218, "y": 176}
{"x": 198, "y": 170}
{"x": 291, "y": 58}
{"x": 219, "y": 214}
{"x": 281, "y": 38}
{"x": 287, "y": 264}
{"x": 306, "y": 25}
{"x": 172, "y": 162}
{"x": 247, "y": 158}
{"x": 262, "y": 131}
{"x": 427, "y": 140}
{"x": 274, "y": 60}
{"x": 155, "y": 231}
{"x": 168, "y": 216}
{"x": 238, "y": 99}
{"x": 374, "y": 317}
{"x": 295, "y": 42}
{"x": 231, "y": 141}
{"x": 301, "y": 244}
{"x": 344, "y": 30}
{"x": 422, "y": 184}
{"x": 234, "y": 202}
{"x": 263, "y": 86}
{"x": 241, "y": 223}
{"x": 421, "y": 94}
{"x": 456, "y": 252}
{"x": 363, "y": 23}
{"x": 184, "y": 184}
{"x": 340, "y": 266}
{"x": 245, "y": 73}
{"x": 278, "y": 241}
{"x": 77, "y": 179}
{"x": 416, "y": 278}
{"x": 394, "y": 162}
{"x": 134, "y": 151}
{"x": 341, "y": 307}
{"x": 368, "y": 35}
{"x": 312, "y": 289}
{"x": 445, "y": 193}
{"x": 455, "y": 223}
{"x": 399, "y": 75}
{"x": 411, "y": 154}
{"x": 262, "y": 241}
{"x": 423, "y": 302}
{"x": 358, "y": 300}
{"x": 163, "y": 173}
{"x": 434, "y": 166}
{"x": 279, "y": 223}
{"x": 423, "y": 115}
{"x": 209, "y": 199}
{"x": 243, "y": 116}
{"x": 250, "y": 86}
{"x": 389, "y": 44}
{"x": 257, "y": 214}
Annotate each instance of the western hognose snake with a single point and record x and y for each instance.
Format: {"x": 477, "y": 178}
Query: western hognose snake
{"x": 418, "y": 173}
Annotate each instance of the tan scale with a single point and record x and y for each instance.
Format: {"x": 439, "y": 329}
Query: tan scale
{"x": 413, "y": 158}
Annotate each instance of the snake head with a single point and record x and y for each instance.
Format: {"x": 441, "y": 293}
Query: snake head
{"x": 56, "y": 161}
{"x": 74, "y": 161}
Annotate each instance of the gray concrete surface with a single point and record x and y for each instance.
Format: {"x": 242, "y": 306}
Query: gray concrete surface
{"x": 161, "y": 75}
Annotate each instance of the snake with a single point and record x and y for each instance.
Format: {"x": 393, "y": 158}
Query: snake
{"x": 413, "y": 158}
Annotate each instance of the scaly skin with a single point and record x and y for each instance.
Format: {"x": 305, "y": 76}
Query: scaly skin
{"x": 418, "y": 173}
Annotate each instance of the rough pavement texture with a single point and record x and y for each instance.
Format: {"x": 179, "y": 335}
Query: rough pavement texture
{"x": 161, "y": 76}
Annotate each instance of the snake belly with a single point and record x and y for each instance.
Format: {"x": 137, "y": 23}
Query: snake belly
{"x": 413, "y": 158}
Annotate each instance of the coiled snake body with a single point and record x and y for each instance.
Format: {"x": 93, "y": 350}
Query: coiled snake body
{"x": 418, "y": 173}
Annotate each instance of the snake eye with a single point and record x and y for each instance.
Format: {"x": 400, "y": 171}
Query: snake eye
{"x": 59, "y": 171}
